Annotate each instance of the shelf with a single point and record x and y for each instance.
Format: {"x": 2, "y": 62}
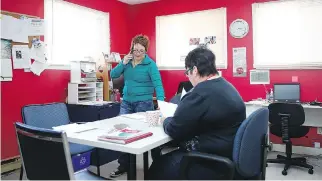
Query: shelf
{"x": 86, "y": 87}
{"x": 87, "y": 96}
{"x": 82, "y": 92}
{"x": 84, "y": 101}
{"x": 85, "y": 92}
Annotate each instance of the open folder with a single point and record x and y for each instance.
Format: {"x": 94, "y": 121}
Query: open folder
{"x": 167, "y": 109}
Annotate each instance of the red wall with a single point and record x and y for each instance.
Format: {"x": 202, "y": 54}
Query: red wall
{"x": 126, "y": 22}
{"x": 26, "y": 88}
{"x": 143, "y": 19}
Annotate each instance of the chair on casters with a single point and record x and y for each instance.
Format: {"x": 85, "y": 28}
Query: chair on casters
{"x": 249, "y": 152}
{"x": 286, "y": 122}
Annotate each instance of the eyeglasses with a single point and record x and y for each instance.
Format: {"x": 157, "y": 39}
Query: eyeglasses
{"x": 186, "y": 72}
{"x": 138, "y": 51}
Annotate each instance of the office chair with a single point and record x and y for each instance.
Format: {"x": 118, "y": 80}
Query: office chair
{"x": 249, "y": 152}
{"x": 50, "y": 115}
{"x": 286, "y": 120}
{"x": 46, "y": 156}
{"x": 175, "y": 99}
{"x": 186, "y": 85}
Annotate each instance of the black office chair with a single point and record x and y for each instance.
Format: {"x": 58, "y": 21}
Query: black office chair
{"x": 176, "y": 99}
{"x": 286, "y": 122}
{"x": 186, "y": 85}
{"x": 45, "y": 155}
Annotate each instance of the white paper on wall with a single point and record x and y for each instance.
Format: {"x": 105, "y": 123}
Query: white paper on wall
{"x": 239, "y": 62}
{"x": 21, "y": 56}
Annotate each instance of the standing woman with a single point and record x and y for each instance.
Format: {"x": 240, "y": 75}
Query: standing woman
{"x": 141, "y": 78}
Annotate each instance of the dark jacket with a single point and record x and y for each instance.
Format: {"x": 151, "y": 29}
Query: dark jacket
{"x": 207, "y": 118}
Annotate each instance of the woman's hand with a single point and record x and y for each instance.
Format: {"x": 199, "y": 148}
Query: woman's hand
{"x": 162, "y": 120}
{"x": 127, "y": 58}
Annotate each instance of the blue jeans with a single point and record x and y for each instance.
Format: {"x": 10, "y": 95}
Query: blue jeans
{"x": 134, "y": 107}
{"x": 129, "y": 108}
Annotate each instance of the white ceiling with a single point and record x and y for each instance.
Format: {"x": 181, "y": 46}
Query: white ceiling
{"x": 136, "y": 1}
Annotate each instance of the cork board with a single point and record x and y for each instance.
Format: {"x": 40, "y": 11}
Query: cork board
{"x": 18, "y": 15}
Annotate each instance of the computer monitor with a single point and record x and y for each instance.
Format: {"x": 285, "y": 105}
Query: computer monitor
{"x": 288, "y": 92}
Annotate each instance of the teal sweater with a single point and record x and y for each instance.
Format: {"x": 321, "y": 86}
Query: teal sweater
{"x": 140, "y": 81}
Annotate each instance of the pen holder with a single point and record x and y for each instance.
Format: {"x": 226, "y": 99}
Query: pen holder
{"x": 153, "y": 117}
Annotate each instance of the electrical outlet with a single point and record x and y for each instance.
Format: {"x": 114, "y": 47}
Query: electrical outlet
{"x": 317, "y": 145}
{"x": 319, "y": 130}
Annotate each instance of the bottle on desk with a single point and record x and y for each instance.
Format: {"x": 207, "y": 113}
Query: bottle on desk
{"x": 117, "y": 96}
{"x": 267, "y": 96}
{"x": 271, "y": 96}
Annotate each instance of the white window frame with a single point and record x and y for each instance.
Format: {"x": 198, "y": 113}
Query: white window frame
{"x": 48, "y": 14}
{"x": 221, "y": 37}
{"x": 296, "y": 54}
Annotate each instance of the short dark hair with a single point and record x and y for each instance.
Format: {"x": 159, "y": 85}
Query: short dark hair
{"x": 204, "y": 59}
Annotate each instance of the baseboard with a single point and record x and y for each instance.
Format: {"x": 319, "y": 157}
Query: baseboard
{"x": 299, "y": 150}
{"x": 10, "y": 164}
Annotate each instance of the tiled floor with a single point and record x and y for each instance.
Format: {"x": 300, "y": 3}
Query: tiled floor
{"x": 273, "y": 170}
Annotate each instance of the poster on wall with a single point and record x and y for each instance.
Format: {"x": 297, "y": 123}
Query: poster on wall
{"x": 210, "y": 40}
{"x": 239, "y": 62}
{"x": 193, "y": 43}
{"x": 21, "y": 56}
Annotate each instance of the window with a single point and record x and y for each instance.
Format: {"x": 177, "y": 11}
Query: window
{"x": 74, "y": 32}
{"x": 287, "y": 34}
{"x": 173, "y": 33}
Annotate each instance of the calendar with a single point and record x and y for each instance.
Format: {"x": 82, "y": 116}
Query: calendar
{"x": 239, "y": 62}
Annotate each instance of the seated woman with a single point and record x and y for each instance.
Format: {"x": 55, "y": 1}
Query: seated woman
{"x": 206, "y": 120}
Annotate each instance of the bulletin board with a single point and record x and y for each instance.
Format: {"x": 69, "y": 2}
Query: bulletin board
{"x": 18, "y": 15}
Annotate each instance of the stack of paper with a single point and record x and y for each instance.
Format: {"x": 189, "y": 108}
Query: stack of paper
{"x": 167, "y": 109}
{"x": 134, "y": 116}
{"x": 74, "y": 128}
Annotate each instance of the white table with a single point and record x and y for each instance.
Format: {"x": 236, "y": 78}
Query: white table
{"x": 313, "y": 114}
{"x": 142, "y": 146}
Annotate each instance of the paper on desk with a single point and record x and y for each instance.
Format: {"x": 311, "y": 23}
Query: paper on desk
{"x": 21, "y": 56}
{"x": 133, "y": 116}
{"x": 167, "y": 109}
{"x": 74, "y": 128}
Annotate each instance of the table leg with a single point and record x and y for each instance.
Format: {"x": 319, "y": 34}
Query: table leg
{"x": 98, "y": 162}
{"x": 131, "y": 174}
{"x": 145, "y": 164}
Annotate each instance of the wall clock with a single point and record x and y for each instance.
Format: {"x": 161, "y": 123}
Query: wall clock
{"x": 239, "y": 28}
